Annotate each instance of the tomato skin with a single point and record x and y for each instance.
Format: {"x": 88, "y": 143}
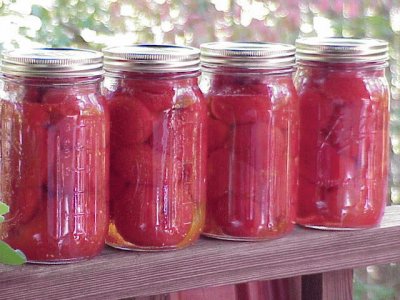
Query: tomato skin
{"x": 57, "y": 171}
{"x": 343, "y": 171}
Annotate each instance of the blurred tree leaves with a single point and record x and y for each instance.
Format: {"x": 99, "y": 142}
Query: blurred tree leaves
{"x": 62, "y": 26}
{"x": 94, "y": 24}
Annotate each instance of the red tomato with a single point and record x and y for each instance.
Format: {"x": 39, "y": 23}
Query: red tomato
{"x": 234, "y": 84}
{"x": 316, "y": 111}
{"x": 248, "y": 219}
{"x": 217, "y": 134}
{"x": 25, "y": 203}
{"x": 62, "y": 102}
{"x": 261, "y": 145}
{"x": 26, "y": 168}
{"x": 307, "y": 193}
{"x": 156, "y": 95}
{"x": 60, "y": 95}
{"x": 346, "y": 86}
{"x": 150, "y": 216}
{"x": 76, "y": 210}
{"x": 33, "y": 94}
{"x": 131, "y": 121}
{"x": 310, "y": 133}
{"x": 143, "y": 165}
{"x": 118, "y": 186}
{"x": 345, "y": 125}
{"x": 247, "y": 201}
{"x": 334, "y": 169}
{"x": 44, "y": 239}
{"x": 139, "y": 164}
{"x": 240, "y": 109}
{"x": 179, "y": 133}
{"x": 31, "y": 239}
{"x": 156, "y": 99}
{"x": 35, "y": 126}
{"x": 338, "y": 207}
{"x": 217, "y": 173}
{"x": 341, "y": 161}
{"x": 348, "y": 206}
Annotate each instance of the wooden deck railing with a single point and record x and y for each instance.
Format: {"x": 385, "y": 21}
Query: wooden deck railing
{"x": 324, "y": 259}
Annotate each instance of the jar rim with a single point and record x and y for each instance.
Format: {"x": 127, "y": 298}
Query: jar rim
{"x": 341, "y": 50}
{"x": 52, "y": 62}
{"x": 249, "y": 55}
{"x": 151, "y": 58}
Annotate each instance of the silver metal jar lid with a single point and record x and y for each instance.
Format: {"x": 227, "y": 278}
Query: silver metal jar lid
{"x": 247, "y": 55}
{"x": 151, "y": 58}
{"x": 341, "y": 50}
{"x": 52, "y": 62}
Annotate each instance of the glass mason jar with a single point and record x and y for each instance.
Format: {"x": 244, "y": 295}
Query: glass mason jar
{"x": 158, "y": 146}
{"x": 53, "y": 145}
{"x": 343, "y": 132}
{"x": 252, "y": 141}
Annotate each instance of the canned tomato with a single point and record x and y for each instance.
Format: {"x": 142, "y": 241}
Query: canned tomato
{"x": 158, "y": 144}
{"x": 344, "y": 99}
{"x": 53, "y": 145}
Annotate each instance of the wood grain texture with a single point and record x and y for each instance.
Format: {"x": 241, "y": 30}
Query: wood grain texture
{"x": 334, "y": 285}
{"x": 118, "y": 274}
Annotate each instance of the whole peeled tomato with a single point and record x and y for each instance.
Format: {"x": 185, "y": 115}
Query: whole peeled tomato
{"x": 155, "y": 96}
{"x": 308, "y": 191}
{"x": 154, "y": 216}
{"x": 239, "y": 109}
{"x": 118, "y": 186}
{"x": 26, "y": 168}
{"x": 316, "y": 111}
{"x": 218, "y": 166}
{"x": 248, "y": 184}
{"x": 35, "y": 143}
{"x": 31, "y": 239}
{"x": 311, "y": 127}
{"x": 238, "y": 195}
{"x": 131, "y": 122}
{"x": 141, "y": 164}
{"x": 25, "y": 203}
{"x": 179, "y": 133}
{"x": 260, "y": 144}
{"x": 43, "y": 239}
{"x": 335, "y": 169}
{"x": 218, "y": 132}
{"x": 62, "y": 103}
{"x": 346, "y": 86}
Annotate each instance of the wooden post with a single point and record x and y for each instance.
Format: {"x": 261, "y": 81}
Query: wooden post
{"x": 334, "y": 285}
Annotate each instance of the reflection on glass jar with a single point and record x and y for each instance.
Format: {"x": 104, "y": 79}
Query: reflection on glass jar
{"x": 343, "y": 132}
{"x": 158, "y": 136}
{"x": 252, "y": 141}
{"x": 53, "y": 145}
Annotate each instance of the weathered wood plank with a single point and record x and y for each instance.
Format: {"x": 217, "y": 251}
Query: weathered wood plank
{"x": 118, "y": 274}
{"x": 334, "y": 285}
